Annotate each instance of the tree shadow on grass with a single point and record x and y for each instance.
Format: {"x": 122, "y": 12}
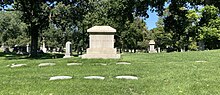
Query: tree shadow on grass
{"x": 12, "y": 56}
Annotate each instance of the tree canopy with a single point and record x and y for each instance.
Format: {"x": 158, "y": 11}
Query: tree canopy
{"x": 181, "y": 24}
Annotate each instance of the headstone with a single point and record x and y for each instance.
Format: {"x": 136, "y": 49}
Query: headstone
{"x": 127, "y": 77}
{"x": 28, "y": 48}
{"x": 44, "y": 48}
{"x": 101, "y": 43}
{"x": 60, "y": 77}
{"x": 68, "y": 50}
{"x": 182, "y": 50}
{"x": 46, "y": 64}
{"x": 41, "y": 47}
{"x": 152, "y": 49}
{"x": 158, "y": 50}
{"x": 49, "y": 49}
{"x": 94, "y": 77}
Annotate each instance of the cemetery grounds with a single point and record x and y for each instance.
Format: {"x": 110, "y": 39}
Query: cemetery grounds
{"x": 186, "y": 73}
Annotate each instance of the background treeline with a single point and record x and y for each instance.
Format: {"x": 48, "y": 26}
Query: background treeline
{"x": 183, "y": 24}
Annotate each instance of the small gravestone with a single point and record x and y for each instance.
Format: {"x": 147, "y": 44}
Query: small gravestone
{"x": 17, "y": 65}
{"x": 152, "y": 49}
{"x": 127, "y": 77}
{"x": 54, "y": 50}
{"x": 28, "y": 48}
{"x": 44, "y": 49}
{"x": 101, "y": 43}
{"x": 94, "y": 77}
{"x": 68, "y": 50}
{"x": 60, "y": 77}
{"x": 123, "y": 63}
{"x": 74, "y": 64}
{"x": 158, "y": 50}
{"x": 46, "y": 64}
{"x": 182, "y": 50}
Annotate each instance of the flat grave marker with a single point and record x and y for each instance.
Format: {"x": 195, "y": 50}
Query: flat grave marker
{"x": 127, "y": 77}
{"x": 94, "y": 77}
{"x": 60, "y": 77}
{"x": 46, "y": 64}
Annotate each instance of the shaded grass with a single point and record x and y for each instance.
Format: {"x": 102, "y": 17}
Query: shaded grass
{"x": 13, "y": 56}
{"x": 163, "y": 74}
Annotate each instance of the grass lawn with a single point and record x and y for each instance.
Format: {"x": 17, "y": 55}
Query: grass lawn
{"x": 159, "y": 74}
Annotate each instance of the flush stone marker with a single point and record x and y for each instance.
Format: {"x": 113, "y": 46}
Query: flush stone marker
{"x": 60, "y": 77}
{"x": 94, "y": 77}
{"x": 46, "y": 64}
{"x": 127, "y": 77}
{"x": 101, "y": 43}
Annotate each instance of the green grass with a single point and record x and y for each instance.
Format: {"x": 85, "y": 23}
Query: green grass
{"x": 159, "y": 74}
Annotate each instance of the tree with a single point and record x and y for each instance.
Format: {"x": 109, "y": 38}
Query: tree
{"x": 53, "y": 36}
{"x": 208, "y": 27}
{"x": 132, "y": 36}
{"x": 62, "y": 18}
{"x": 179, "y": 23}
{"x": 12, "y": 29}
{"x": 35, "y": 13}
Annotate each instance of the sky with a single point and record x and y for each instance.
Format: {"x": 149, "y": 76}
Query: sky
{"x": 151, "y": 21}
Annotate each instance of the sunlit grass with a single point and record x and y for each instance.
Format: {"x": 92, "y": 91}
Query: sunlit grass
{"x": 159, "y": 74}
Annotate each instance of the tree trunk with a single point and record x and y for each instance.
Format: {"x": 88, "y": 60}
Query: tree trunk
{"x": 65, "y": 35}
{"x": 34, "y": 42}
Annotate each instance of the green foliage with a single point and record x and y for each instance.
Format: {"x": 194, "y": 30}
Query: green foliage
{"x": 36, "y": 15}
{"x": 182, "y": 21}
{"x": 193, "y": 46}
{"x": 53, "y": 37}
{"x": 133, "y": 34}
{"x": 13, "y": 30}
{"x": 65, "y": 25}
{"x": 208, "y": 27}
{"x": 62, "y": 19}
{"x": 185, "y": 24}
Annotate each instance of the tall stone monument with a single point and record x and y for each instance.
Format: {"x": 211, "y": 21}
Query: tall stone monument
{"x": 101, "y": 43}
{"x": 28, "y": 48}
{"x": 68, "y": 50}
{"x": 44, "y": 48}
{"x": 152, "y": 49}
